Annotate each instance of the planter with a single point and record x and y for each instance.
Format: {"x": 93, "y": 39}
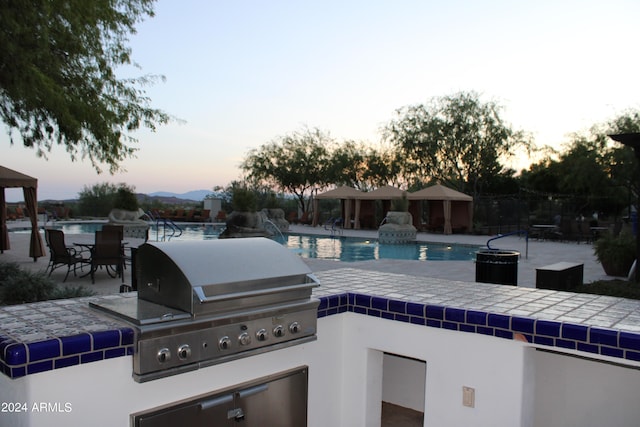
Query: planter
{"x": 616, "y": 254}
{"x": 616, "y": 268}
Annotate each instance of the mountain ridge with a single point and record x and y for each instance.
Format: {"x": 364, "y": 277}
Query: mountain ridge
{"x": 194, "y": 195}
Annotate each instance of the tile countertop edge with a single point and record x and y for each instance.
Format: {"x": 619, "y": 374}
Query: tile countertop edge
{"x": 591, "y": 341}
{"x": 350, "y": 290}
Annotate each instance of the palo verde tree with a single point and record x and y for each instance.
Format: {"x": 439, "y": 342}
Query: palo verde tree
{"x": 457, "y": 140}
{"x": 58, "y": 83}
{"x": 296, "y": 163}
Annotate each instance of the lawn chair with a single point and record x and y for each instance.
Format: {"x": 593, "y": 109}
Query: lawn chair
{"x": 61, "y": 254}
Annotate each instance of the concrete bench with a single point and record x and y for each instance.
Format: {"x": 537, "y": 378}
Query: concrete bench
{"x": 561, "y": 276}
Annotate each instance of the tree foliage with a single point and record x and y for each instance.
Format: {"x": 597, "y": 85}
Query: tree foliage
{"x": 125, "y": 198}
{"x": 296, "y": 163}
{"x": 603, "y": 175}
{"x": 58, "y": 83}
{"x": 457, "y": 140}
{"x": 306, "y": 161}
{"x": 99, "y": 199}
{"x": 360, "y": 166}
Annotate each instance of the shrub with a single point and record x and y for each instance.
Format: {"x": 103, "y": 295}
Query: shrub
{"x": 67, "y": 291}
{"x": 244, "y": 200}
{"x": 18, "y": 286}
{"x": 8, "y": 269}
{"x": 400, "y": 204}
{"x": 125, "y": 198}
{"x": 26, "y": 287}
{"x": 616, "y": 254}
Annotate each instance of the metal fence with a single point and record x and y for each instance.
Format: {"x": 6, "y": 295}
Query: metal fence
{"x": 573, "y": 216}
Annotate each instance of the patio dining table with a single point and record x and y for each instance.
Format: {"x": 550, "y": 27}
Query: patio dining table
{"x": 89, "y": 245}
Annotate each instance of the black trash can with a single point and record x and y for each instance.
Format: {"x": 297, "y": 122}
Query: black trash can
{"x": 496, "y": 266}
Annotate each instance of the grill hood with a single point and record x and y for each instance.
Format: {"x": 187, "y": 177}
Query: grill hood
{"x": 220, "y": 276}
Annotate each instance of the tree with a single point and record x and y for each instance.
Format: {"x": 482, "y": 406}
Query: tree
{"x": 296, "y": 163}
{"x": 361, "y": 166}
{"x": 598, "y": 174}
{"x": 457, "y": 140}
{"x": 125, "y": 198}
{"x": 58, "y": 83}
{"x": 97, "y": 200}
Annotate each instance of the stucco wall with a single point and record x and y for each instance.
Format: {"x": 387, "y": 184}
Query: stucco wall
{"x": 515, "y": 385}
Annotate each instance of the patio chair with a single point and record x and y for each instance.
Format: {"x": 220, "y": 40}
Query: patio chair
{"x": 112, "y": 231}
{"x": 61, "y": 254}
{"x": 107, "y": 252}
{"x": 116, "y": 232}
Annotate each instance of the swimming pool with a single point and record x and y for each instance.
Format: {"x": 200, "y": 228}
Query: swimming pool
{"x": 347, "y": 249}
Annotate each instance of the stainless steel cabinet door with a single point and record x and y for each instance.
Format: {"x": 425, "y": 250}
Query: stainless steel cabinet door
{"x": 279, "y": 400}
{"x": 207, "y": 412}
{"x": 278, "y": 403}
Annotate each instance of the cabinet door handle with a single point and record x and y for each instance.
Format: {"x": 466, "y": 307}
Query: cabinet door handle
{"x": 217, "y": 401}
{"x": 252, "y": 390}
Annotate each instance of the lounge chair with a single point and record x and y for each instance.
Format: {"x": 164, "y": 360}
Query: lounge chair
{"x": 61, "y": 254}
{"x": 179, "y": 215}
{"x": 202, "y": 216}
{"x": 221, "y": 217}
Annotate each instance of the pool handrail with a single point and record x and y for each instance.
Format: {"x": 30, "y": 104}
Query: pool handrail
{"x": 166, "y": 224}
{"x": 513, "y": 233}
{"x": 334, "y": 222}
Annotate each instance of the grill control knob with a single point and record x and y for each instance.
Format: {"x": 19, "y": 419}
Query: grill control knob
{"x": 184, "y": 351}
{"x": 164, "y": 355}
{"x": 278, "y": 331}
{"x": 224, "y": 343}
{"x": 294, "y": 328}
{"x": 261, "y": 335}
{"x": 244, "y": 339}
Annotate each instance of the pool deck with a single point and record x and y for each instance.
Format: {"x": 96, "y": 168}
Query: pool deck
{"x": 540, "y": 253}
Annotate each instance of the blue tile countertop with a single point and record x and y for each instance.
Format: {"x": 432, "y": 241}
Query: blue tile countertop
{"x": 596, "y": 324}
{"x": 55, "y": 334}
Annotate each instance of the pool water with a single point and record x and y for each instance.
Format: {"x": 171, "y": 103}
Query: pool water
{"x": 347, "y": 249}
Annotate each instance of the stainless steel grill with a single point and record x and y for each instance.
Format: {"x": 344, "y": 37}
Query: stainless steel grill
{"x": 206, "y": 302}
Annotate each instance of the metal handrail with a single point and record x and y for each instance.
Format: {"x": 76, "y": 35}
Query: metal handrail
{"x": 333, "y": 222}
{"x": 513, "y": 233}
{"x": 174, "y": 229}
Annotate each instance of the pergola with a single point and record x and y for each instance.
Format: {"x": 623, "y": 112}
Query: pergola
{"x": 456, "y": 207}
{"x": 351, "y": 200}
{"x": 454, "y": 211}
{"x": 347, "y": 196}
{"x": 12, "y": 179}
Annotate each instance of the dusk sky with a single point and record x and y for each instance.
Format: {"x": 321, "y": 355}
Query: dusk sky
{"x": 241, "y": 73}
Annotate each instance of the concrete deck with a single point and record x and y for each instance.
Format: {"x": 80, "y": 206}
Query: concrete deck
{"x": 540, "y": 253}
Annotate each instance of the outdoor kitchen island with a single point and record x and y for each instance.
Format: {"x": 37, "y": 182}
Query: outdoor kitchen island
{"x": 464, "y": 353}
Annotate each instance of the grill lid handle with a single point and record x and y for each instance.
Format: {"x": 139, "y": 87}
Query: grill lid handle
{"x": 228, "y": 296}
